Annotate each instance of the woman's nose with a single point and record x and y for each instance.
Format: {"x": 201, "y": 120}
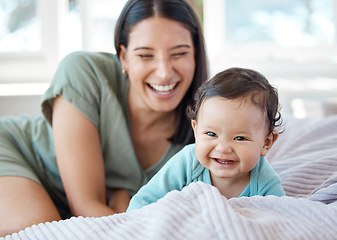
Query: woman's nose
{"x": 164, "y": 69}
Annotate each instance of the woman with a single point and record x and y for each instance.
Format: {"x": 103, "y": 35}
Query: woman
{"x": 110, "y": 123}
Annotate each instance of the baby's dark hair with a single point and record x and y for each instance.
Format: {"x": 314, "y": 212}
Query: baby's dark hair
{"x": 235, "y": 83}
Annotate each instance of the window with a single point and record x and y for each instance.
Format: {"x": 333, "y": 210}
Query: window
{"x": 29, "y": 39}
{"x": 294, "y": 43}
{"x": 263, "y": 31}
{"x": 306, "y": 23}
{"x": 36, "y": 34}
{"x": 20, "y": 26}
{"x": 98, "y": 18}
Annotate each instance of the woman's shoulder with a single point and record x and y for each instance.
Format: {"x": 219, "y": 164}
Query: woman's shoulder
{"x": 90, "y": 55}
{"x": 96, "y": 67}
{"x": 92, "y": 58}
{"x": 84, "y": 79}
{"x": 91, "y": 67}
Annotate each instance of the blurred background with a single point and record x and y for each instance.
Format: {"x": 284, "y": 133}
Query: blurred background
{"x": 293, "y": 43}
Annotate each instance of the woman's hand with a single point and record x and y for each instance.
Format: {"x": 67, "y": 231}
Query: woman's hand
{"x": 118, "y": 199}
{"x": 80, "y": 160}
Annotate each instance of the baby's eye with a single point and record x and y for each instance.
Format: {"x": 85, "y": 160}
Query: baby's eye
{"x": 211, "y": 134}
{"x": 239, "y": 138}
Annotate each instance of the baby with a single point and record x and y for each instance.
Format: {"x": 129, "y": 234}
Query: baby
{"x": 233, "y": 118}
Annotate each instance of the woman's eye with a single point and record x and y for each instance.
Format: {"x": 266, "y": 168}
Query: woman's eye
{"x": 145, "y": 55}
{"x": 211, "y": 134}
{"x": 240, "y": 138}
{"x": 179, "y": 54}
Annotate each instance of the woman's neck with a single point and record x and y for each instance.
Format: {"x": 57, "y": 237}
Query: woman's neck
{"x": 145, "y": 119}
{"x": 142, "y": 117}
{"x": 150, "y": 132}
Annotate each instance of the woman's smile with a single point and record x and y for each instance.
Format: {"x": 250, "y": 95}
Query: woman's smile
{"x": 163, "y": 89}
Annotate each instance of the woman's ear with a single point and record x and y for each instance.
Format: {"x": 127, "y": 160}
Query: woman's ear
{"x": 122, "y": 57}
{"x": 268, "y": 142}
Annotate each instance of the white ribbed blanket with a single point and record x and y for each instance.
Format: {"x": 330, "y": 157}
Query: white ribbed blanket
{"x": 305, "y": 156}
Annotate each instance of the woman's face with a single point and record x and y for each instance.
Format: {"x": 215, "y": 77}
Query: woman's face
{"x": 160, "y": 63}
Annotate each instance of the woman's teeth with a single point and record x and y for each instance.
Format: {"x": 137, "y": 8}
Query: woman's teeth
{"x": 163, "y": 88}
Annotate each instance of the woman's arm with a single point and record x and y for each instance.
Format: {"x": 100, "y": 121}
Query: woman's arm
{"x": 80, "y": 160}
{"x": 118, "y": 199}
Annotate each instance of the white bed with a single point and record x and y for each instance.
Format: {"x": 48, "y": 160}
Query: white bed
{"x": 305, "y": 156}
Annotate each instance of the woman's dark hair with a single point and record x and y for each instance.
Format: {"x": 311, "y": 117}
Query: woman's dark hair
{"x": 135, "y": 11}
{"x": 235, "y": 83}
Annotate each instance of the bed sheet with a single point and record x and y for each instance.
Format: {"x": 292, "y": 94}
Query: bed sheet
{"x": 305, "y": 157}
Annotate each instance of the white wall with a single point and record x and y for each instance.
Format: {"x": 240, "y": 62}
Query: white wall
{"x": 20, "y": 105}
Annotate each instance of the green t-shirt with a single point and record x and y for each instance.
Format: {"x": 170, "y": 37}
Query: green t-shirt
{"x": 94, "y": 84}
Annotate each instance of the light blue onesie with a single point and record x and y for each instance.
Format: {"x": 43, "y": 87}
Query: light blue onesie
{"x": 184, "y": 168}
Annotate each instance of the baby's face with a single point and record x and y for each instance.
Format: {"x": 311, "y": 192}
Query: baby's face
{"x": 231, "y": 135}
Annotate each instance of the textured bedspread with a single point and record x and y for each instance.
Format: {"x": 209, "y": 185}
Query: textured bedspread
{"x": 305, "y": 156}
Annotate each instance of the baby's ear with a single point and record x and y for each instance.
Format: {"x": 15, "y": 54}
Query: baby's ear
{"x": 268, "y": 142}
{"x": 194, "y": 126}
